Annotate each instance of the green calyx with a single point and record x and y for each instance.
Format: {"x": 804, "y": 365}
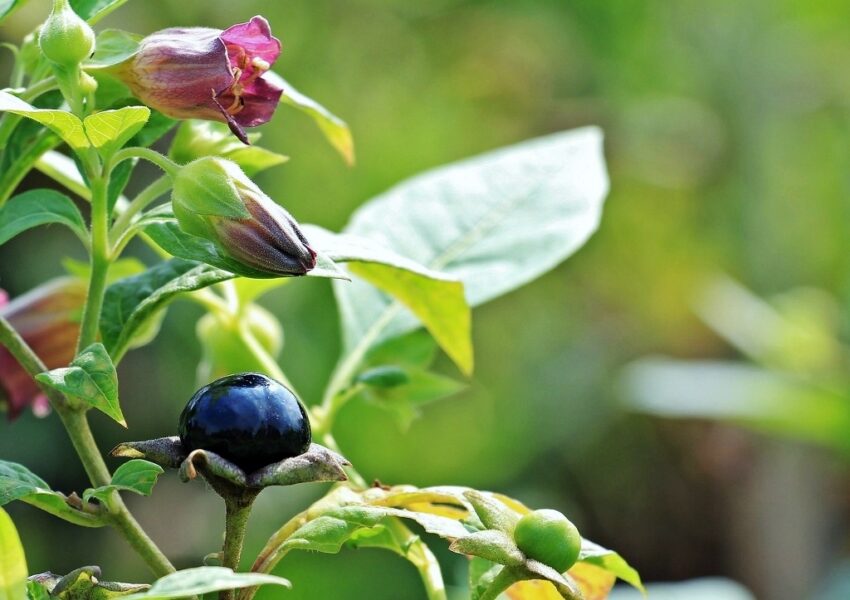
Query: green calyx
{"x": 207, "y": 188}
{"x": 65, "y": 38}
{"x": 549, "y": 537}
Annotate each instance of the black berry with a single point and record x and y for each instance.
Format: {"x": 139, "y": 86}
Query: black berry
{"x": 248, "y": 419}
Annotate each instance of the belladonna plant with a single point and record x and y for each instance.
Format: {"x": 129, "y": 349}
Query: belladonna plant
{"x": 406, "y": 271}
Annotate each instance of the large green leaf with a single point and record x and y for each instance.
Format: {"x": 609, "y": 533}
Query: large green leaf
{"x": 19, "y": 483}
{"x": 203, "y": 580}
{"x": 768, "y": 401}
{"x": 64, "y": 124}
{"x": 13, "y": 564}
{"x": 39, "y": 207}
{"x": 137, "y": 476}
{"x": 335, "y": 129}
{"x": 436, "y": 299}
{"x": 94, "y": 10}
{"x": 131, "y": 303}
{"x": 495, "y": 222}
{"x": 109, "y": 130}
{"x": 91, "y": 378}
{"x": 177, "y": 242}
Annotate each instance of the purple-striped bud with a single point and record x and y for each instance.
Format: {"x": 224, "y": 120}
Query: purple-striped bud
{"x": 212, "y": 198}
{"x": 202, "y": 73}
{"x": 47, "y": 318}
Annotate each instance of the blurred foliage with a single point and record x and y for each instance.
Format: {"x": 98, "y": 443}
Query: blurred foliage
{"x": 728, "y": 143}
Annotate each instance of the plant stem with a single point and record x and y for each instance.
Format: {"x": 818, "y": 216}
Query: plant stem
{"x": 99, "y": 263}
{"x": 139, "y": 203}
{"x": 157, "y": 158}
{"x": 238, "y": 509}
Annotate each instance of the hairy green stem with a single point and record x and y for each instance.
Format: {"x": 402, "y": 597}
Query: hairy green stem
{"x": 121, "y": 233}
{"x": 99, "y": 263}
{"x": 238, "y": 509}
{"x": 157, "y": 158}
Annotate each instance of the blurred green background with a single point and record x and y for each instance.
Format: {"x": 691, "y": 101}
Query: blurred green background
{"x": 728, "y": 141}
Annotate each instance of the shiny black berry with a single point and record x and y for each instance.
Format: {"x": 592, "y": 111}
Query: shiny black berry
{"x": 248, "y": 419}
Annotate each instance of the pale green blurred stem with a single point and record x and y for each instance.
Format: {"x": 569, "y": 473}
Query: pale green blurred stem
{"x": 335, "y": 393}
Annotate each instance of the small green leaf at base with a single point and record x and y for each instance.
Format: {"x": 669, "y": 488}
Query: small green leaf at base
{"x": 138, "y": 476}
{"x": 202, "y": 580}
{"x": 19, "y": 483}
{"x": 91, "y": 378}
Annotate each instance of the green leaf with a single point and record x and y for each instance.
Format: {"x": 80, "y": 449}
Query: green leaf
{"x": 109, "y": 130}
{"x": 492, "y": 545}
{"x": 768, "y": 401}
{"x": 203, "y": 580}
{"x": 383, "y": 377}
{"x": 195, "y": 139}
{"x": 435, "y": 299}
{"x": 39, "y": 207}
{"x": 493, "y": 513}
{"x": 482, "y": 573}
{"x": 177, "y": 242}
{"x": 415, "y": 349}
{"x": 405, "y": 399}
{"x": 495, "y": 222}
{"x": 137, "y": 476}
{"x": 612, "y": 562}
{"x": 113, "y": 46}
{"x": 335, "y": 129}
{"x": 61, "y": 122}
{"x": 329, "y": 531}
{"x": 19, "y": 483}
{"x": 91, "y": 378}
{"x": 13, "y": 564}
{"x": 37, "y": 591}
{"x": 94, "y": 10}
{"x": 131, "y": 303}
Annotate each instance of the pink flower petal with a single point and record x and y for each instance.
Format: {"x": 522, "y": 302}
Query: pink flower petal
{"x": 255, "y": 37}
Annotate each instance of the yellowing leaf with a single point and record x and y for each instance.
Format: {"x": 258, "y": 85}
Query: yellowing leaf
{"x": 595, "y": 583}
{"x": 535, "y": 589}
{"x": 61, "y": 122}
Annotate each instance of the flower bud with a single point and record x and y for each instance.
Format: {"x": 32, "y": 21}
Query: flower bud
{"x": 65, "y": 38}
{"x": 47, "y": 318}
{"x": 202, "y": 73}
{"x": 212, "y": 198}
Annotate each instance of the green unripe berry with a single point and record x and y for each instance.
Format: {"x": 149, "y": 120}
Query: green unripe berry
{"x": 65, "y": 38}
{"x": 549, "y": 537}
